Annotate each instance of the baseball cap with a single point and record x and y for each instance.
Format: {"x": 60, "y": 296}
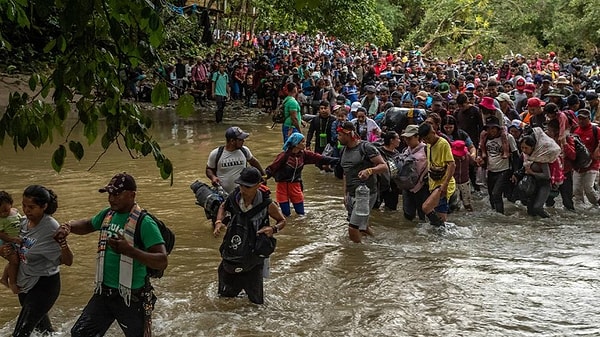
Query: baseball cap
{"x": 529, "y": 87}
{"x": 411, "y": 130}
{"x": 492, "y": 121}
{"x": 503, "y": 97}
{"x": 535, "y": 102}
{"x": 585, "y": 113}
{"x": 250, "y": 176}
{"x": 119, "y": 183}
{"x": 355, "y": 106}
{"x": 470, "y": 86}
{"x": 235, "y": 132}
{"x": 370, "y": 88}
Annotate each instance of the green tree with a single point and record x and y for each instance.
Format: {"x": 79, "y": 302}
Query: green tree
{"x": 94, "y": 44}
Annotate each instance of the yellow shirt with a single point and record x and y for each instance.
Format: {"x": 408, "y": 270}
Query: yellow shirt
{"x": 439, "y": 155}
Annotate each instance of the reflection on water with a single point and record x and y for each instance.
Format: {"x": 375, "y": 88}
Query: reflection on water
{"x": 489, "y": 275}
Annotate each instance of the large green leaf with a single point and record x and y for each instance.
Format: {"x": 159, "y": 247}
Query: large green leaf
{"x": 77, "y": 149}
{"x": 160, "y": 94}
{"x": 58, "y": 158}
{"x": 185, "y": 105}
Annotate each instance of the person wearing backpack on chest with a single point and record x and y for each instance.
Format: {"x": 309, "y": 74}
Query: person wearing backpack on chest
{"x": 585, "y": 177}
{"x": 122, "y": 291}
{"x": 248, "y": 241}
{"x": 414, "y": 197}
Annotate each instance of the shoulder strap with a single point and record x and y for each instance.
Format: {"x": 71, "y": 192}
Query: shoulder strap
{"x": 220, "y": 153}
{"x": 137, "y": 235}
{"x": 595, "y": 132}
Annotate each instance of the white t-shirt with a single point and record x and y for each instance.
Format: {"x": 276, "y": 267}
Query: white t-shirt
{"x": 230, "y": 166}
{"x": 494, "y": 151}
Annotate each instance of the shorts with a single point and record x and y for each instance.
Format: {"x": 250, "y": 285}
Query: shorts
{"x": 287, "y": 191}
{"x": 358, "y": 221}
{"x": 443, "y": 206}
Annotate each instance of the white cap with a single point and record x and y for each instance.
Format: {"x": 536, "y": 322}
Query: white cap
{"x": 355, "y": 106}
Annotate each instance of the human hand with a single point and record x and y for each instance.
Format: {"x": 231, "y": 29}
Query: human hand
{"x": 215, "y": 181}
{"x": 119, "y": 244}
{"x": 62, "y": 232}
{"x": 267, "y": 230}
{"x": 217, "y": 230}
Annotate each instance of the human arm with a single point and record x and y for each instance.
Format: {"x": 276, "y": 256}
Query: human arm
{"x": 254, "y": 162}
{"x": 79, "y": 227}
{"x": 212, "y": 175}
{"x": 450, "y": 168}
{"x": 219, "y": 220}
{"x": 66, "y": 255}
{"x": 311, "y": 131}
{"x": 275, "y": 213}
{"x": 380, "y": 167}
{"x": 7, "y": 238}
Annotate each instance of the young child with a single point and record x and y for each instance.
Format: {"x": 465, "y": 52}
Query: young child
{"x": 9, "y": 235}
{"x": 461, "y": 174}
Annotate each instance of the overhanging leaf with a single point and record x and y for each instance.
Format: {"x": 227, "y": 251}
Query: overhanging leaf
{"x": 185, "y": 105}
{"x": 58, "y": 158}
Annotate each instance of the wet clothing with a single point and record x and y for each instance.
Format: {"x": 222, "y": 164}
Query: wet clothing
{"x": 107, "y": 304}
{"x": 38, "y": 276}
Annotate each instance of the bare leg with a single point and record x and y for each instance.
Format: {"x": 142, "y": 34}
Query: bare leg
{"x": 355, "y": 234}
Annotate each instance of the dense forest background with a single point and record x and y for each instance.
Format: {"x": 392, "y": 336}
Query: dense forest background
{"x": 77, "y": 52}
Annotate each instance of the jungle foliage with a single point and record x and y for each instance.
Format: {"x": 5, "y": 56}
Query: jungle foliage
{"x": 78, "y": 52}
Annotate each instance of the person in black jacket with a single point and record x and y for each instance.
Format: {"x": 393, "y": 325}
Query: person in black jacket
{"x": 320, "y": 129}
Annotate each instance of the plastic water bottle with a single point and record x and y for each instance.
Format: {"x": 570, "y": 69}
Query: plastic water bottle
{"x": 361, "y": 204}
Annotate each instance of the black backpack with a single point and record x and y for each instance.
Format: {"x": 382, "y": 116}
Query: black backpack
{"x": 167, "y": 235}
{"x": 242, "y": 249}
{"x": 583, "y": 158}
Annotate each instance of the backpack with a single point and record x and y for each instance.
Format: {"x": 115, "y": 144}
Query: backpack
{"x": 278, "y": 116}
{"x": 404, "y": 171}
{"x": 572, "y": 119}
{"x": 167, "y": 235}
{"x": 583, "y": 158}
{"x": 220, "y": 153}
{"x": 383, "y": 179}
{"x": 242, "y": 249}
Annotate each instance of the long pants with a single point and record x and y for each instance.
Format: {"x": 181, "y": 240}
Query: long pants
{"x": 220, "y": 108}
{"x": 412, "y": 202}
{"x": 566, "y": 192}
{"x": 535, "y": 205}
{"x": 583, "y": 184}
{"x": 35, "y": 305}
{"x": 497, "y": 183}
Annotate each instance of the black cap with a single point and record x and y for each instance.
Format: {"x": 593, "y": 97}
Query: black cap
{"x": 492, "y": 121}
{"x": 119, "y": 183}
{"x": 590, "y": 96}
{"x": 235, "y": 132}
{"x": 250, "y": 176}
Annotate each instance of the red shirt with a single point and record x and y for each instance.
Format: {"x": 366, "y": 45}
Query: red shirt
{"x": 586, "y": 134}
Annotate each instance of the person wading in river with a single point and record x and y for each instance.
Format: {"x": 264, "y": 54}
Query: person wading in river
{"x": 361, "y": 162}
{"x": 441, "y": 175}
{"x": 122, "y": 287}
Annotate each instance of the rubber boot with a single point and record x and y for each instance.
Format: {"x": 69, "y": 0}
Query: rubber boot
{"x": 434, "y": 219}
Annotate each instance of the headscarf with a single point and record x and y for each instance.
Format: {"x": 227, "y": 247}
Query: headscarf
{"x": 293, "y": 140}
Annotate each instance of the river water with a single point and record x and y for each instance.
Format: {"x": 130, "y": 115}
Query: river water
{"x": 489, "y": 275}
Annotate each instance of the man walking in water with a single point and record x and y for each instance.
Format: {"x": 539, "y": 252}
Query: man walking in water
{"x": 441, "y": 175}
{"x": 220, "y": 91}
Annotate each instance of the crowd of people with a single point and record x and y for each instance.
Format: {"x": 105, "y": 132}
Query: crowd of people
{"x": 400, "y": 130}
